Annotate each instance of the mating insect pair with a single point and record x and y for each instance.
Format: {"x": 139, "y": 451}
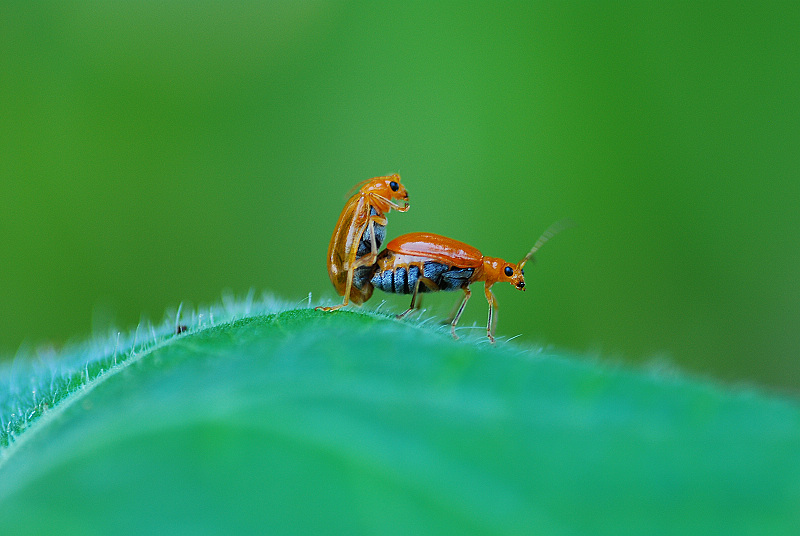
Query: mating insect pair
{"x": 411, "y": 263}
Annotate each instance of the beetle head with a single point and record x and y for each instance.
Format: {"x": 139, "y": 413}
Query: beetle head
{"x": 515, "y": 275}
{"x": 500, "y": 271}
{"x": 387, "y": 188}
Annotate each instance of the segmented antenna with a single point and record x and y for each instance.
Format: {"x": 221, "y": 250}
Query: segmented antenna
{"x": 551, "y": 231}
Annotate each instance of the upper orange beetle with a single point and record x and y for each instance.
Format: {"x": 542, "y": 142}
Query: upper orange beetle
{"x": 359, "y": 233}
{"x": 426, "y": 262}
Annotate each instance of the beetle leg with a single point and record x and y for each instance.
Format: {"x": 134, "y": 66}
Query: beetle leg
{"x": 415, "y": 300}
{"x": 368, "y": 259}
{"x": 454, "y": 317}
{"x": 392, "y": 203}
{"x": 346, "y": 297}
{"x": 372, "y": 243}
{"x": 347, "y": 288}
{"x": 492, "y": 323}
{"x": 398, "y": 208}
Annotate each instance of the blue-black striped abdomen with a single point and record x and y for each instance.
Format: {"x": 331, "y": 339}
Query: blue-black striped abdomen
{"x": 363, "y": 274}
{"x": 402, "y": 279}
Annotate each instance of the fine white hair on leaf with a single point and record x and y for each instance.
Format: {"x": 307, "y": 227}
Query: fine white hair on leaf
{"x": 34, "y": 381}
{"x": 248, "y": 302}
{"x": 178, "y": 316}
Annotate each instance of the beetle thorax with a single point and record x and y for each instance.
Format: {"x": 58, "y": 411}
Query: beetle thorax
{"x": 493, "y": 269}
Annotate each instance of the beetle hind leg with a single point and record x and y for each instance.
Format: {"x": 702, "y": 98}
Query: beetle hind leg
{"x": 368, "y": 259}
{"x": 415, "y": 298}
{"x": 331, "y": 308}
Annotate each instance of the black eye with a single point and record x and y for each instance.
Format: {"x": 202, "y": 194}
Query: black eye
{"x": 394, "y": 186}
{"x": 509, "y": 272}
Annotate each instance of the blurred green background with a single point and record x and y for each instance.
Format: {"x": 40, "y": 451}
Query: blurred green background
{"x": 153, "y": 153}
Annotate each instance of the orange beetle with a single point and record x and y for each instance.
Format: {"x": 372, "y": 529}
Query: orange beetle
{"x": 426, "y": 262}
{"x": 358, "y": 234}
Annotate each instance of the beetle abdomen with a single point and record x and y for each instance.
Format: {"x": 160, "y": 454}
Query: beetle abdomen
{"x": 455, "y": 278}
{"x": 363, "y": 274}
{"x": 365, "y": 246}
{"x": 402, "y": 279}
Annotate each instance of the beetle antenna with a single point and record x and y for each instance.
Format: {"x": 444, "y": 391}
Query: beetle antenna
{"x": 551, "y": 231}
{"x": 356, "y": 188}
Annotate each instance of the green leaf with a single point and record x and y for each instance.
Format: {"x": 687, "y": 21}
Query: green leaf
{"x": 305, "y": 422}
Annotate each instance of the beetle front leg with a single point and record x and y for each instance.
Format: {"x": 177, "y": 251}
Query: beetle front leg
{"x": 492, "y": 323}
{"x": 392, "y": 204}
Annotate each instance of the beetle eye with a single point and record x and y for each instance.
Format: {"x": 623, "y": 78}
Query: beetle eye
{"x": 509, "y": 272}
{"x": 394, "y": 186}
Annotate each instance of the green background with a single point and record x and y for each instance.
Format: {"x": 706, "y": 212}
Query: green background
{"x": 153, "y": 153}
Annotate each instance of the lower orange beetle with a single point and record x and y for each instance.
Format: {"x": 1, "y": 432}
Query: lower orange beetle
{"x": 425, "y": 262}
{"x": 358, "y": 234}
